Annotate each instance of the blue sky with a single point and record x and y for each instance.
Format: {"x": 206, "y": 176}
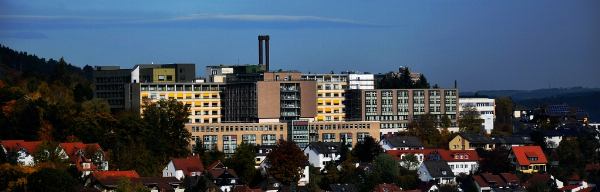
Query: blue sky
{"x": 484, "y": 45}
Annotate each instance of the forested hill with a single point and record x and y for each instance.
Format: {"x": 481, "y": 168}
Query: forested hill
{"x": 588, "y": 102}
{"x": 24, "y": 62}
{"x": 534, "y": 94}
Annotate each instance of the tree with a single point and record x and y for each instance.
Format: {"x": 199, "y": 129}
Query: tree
{"x": 539, "y": 139}
{"x": 422, "y": 83}
{"x": 423, "y": 127}
{"x": 568, "y": 151}
{"x": 538, "y": 186}
{"x": 14, "y": 177}
{"x": 243, "y": 161}
{"x": 49, "y": 180}
{"x": 366, "y": 150}
{"x": 494, "y": 161}
{"x": 96, "y": 105}
{"x": 284, "y": 162}
{"x": 49, "y": 153}
{"x": 387, "y": 167}
{"x": 59, "y": 73}
{"x": 446, "y": 122}
{"x": 504, "y": 112}
{"x": 449, "y": 188}
{"x": 166, "y": 119}
{"x": 410, "y": 162}
{"x": 469, "y": 120}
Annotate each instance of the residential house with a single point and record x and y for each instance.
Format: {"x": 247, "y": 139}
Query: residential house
{"x": 511, "y": 179}
{"x": 87, "y": 163}
{"x": 344, "y": 187}
{"x": 184, "y": 167}
{"x": 269, "y": 184}
{"x": 321, "y": 153}
{"x": 546, "y": 178}
{"x": 261, "y": 153}
{"x": 421, "y": 155}
{"x": 510, "y": 141}
{"x": 96, "y": 177}
{"x": 437, "y": 171}
{"x": 401, "y": 143}
{"x": 528, "y": 159}
{"x": 223, "y": 177}
{"x": 521, "y": 111}
{"x": 552, "y": 137}
{"x": 24, "y": 150}
{"x": 386, "y": 187}
{"x": 428, "y": 186}
{"x": 471, "y": 141}
{"x": 460, "y": 161}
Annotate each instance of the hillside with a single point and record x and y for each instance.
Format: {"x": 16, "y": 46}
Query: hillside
{"x": 533, "y": 94}
{"x": 588, "y": 102}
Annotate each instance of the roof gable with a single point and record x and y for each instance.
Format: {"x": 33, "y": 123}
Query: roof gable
{"x": 188, "y": 164}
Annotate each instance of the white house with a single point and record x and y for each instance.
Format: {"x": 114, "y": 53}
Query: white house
{"x": 321, "y": 153}
{"x": 437, "y": 171}
{"x": 460, "y": 161}
{"x": 484, "y": 106}
{"x": 182, "y": 167}
{"x": 401, "y": 143}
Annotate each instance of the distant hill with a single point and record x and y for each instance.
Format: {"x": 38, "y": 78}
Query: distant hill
{"x": 24, "y": 62}
{"x": 534, "y": 94}
{"x": 589, "y": 102}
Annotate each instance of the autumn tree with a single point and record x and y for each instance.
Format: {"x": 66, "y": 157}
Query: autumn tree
{"x": 568, "y": 151}
{"x": 469, "y": 120}
{"x": 166, "y": 120}
{"x": 423, "y": 127}
{"x": 243, "y": 161}
{"x": 366, "y": 150}
{"x": 50, "y": 153}
{"x": 14, "y": 177}
{"x": 285, "y": 161}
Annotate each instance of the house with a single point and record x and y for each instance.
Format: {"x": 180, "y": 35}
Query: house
{"x": 24, "y": 150}
{"x": 511, "y": 179}
{"x": 244, "y": 188}
{"x": 511, "y": 141}
{"x": 269, "y": 184}
{"x": 421, "y": 155}
{"x": 546, "y": 178}
{"x": 428, "y": 186}
{"x": 190, "y": 182}
{"x": 520, "y": 111}
{"x": 321, "y": 153}
{"x": 223, "y": 177}
{"x": 386, "y": 187}
{"x": 437, "y": 171}
{"x": 471, "y": 141}
{"x": 528, "y": 159}
{"x": 401, "y": 143}
{"x": 183, "y": 167}
{"x": 87, "y": 163}
{"x": 460, "y": 161}
{"x": 96, "y": 178}
{"x": 345, "y": 187}
{"x": 261, "y": 153}
{"x": 552, "y": 137}
{"x": 502, "y": 182}
{"x": 162, "y": 184}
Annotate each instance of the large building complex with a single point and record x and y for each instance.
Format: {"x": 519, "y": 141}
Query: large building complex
{"x": 484, "y": 106}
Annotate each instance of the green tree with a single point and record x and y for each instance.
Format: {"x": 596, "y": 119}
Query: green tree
{"x": 284, "y": 162}
{"x": 59, "y": 73}
{"x": 49, "y": 152}
{"x": 49, "y": 180}
{"x": 446, "y": 122}
{"x": 243, "y": 161}
{"x": 96, "y": 105}
{"x": 387, "y": 167}
{"x": 366, "y": 150}
{"x": 82, "y": 93}
{"x": 469, "y": 120}
{"x": 410, "y": 162}
{"x": 568, "y": 151}
{"x": 166, "y": 119}
{"x": 504, "y": 110}
{"x": 422, "y": 83}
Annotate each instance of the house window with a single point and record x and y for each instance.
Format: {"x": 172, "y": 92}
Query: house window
{"x": 161, "y": 77}
{"x": 169, "y": 77}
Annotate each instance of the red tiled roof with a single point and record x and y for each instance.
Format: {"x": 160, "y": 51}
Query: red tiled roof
{"x": 458, "y": 155}
{"x": 72, "y": 148}
{"x": 479, "y": 180}
{"x": 192, "y": 163}
{"x": 29, "y": 146}
{"x": 569, "y": 187}
{"x": 78, "y": 161}
{"x": 522, "y": 152}
{"x": 491, "y": 178}
{"x": 115, "y": 174}
{"x": 586, "y": 189}
{"x": 245, "y": 189}
{"x": 215, "y": 164}
{"x": 592, "y": 167}
{"x": 509, "y": 177}
{"x": 398, "y": 153}
{"x": 540, "y": 177}
{"x": 386, "y": 187}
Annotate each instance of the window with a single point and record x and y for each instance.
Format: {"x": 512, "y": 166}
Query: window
{"x": 161, "y": 77}
{"x": 169, "y": 77}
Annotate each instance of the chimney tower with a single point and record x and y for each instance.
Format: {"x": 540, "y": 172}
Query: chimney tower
{"x": 264, "y": 38}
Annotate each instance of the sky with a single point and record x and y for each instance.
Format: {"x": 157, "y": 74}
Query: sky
{"x": 483, "y": 45}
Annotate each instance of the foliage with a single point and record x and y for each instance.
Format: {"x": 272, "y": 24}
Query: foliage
{"x": 366, "y": 150}
{"x": 49, "y": 152}
{"x": 284, "y": 162}
{"x": 410, "y": 162}
{"x": 387, "y": 167}
{"x": 50, "y": 179}
{"x": 504, "y": 110}
{"x": 568, "y": 151}
{"x": 243, "y": 161}
{"x": 96, "y": 105}
{"x": 538, "y": 186}
{"x": 469, "y": 120}
{"x": 539, "y": 139}
{"x": 446, "y": 122}
{"x": 166, "y": 119}
{"x": 423, "y": 127}
{"x": 494, "y": 161}
{"x": 403, "y": 80}
{"x": 14, "y": 177}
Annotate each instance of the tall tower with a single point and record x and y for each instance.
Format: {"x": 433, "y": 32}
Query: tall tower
{"x": 262, "y": 38}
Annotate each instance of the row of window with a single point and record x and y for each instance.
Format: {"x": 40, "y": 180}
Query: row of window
{"x": 236, "y": 128}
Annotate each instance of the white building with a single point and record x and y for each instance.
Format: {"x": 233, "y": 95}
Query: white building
{"x": 321, "y": 153}
{"x": 361, "y": 81}
{"x": 485, "y": 106}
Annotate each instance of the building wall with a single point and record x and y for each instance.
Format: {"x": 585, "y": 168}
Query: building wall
{"x": 331, "y": 90}
{"x": 485, "y": 107}
{"x": 110, "y": 83}
{"x": 221, "y": 130}
{"x": 395, "y": 108}
{"x": 268, "y": 99}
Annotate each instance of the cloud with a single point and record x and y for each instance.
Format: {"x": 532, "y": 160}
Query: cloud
{"x": 185, "y": 21}
{"x": 22, "y": 35}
